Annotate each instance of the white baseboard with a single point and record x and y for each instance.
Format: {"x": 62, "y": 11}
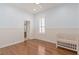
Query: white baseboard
{"x": 50, "y": 41}
{"x": 11, "y": 44}
{"x": 47, "y": 40}
{"x": 22, "y": 41}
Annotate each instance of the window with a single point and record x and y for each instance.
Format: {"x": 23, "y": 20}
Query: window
{"x": 42, "y": 25}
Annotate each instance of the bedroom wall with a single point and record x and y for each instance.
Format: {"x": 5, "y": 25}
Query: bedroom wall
{"x": 12, "y": 25}
{"x": 59, "y": 19}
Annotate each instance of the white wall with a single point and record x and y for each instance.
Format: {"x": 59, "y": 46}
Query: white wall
{"x": 61, "y": 18}
{"x": 12, "y": 24}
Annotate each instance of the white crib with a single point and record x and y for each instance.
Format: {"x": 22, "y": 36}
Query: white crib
{"x": 68, "y": 41}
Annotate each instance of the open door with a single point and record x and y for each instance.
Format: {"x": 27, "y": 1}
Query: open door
{"x": 26, "y": 29}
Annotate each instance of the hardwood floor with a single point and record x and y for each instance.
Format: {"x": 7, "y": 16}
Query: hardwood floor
{"x": 35, "y": 47}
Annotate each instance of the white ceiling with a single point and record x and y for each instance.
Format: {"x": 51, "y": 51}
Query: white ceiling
{"x": 34, "y": 8}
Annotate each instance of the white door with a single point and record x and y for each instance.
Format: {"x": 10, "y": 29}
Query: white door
{"x": 26, "y": 29}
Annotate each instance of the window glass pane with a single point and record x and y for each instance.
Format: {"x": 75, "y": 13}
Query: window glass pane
{"x": 43, "y": 29}
{"x": 40, "y": 30}
{"x": 43, "y": 21}
{"x": 42, "y": 25}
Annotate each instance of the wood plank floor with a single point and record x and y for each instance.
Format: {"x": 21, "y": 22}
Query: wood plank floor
{"x": 35, "y": 47}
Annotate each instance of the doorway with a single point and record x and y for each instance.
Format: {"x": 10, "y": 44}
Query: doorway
{"x": 26, "y": 29}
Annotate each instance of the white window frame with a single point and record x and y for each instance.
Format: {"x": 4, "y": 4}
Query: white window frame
{"x": 42, "y": 25}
